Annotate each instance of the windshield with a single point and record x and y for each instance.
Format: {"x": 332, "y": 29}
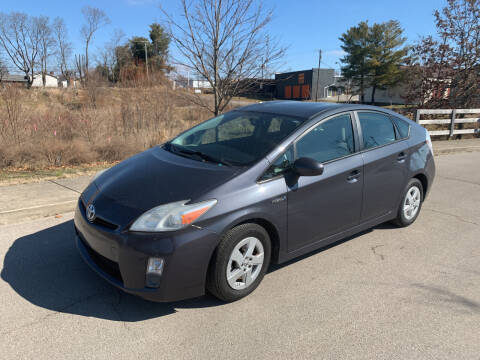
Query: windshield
{"x": 234, "y": 138}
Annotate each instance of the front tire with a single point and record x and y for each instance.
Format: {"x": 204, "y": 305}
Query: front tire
{"x": 239, "y": 263}
{"x": 411, "y": 204}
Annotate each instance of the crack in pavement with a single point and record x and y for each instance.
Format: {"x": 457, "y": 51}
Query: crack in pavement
{"x": 453, "y": 215}
{"x": 459, "y": 180}
{"x": 373, "y": 248}
{"x": 358, "y": 262}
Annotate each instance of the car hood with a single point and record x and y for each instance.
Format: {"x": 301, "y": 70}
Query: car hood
{"x": 150, "y": 179}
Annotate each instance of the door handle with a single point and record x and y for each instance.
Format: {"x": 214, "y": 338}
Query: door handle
{"x": 401, "y": 157}
{"x": 353, "y": 176}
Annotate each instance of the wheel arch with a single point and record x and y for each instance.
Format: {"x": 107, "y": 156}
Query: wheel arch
{"x": 261, "y": 221}
{"x": 272, "y": 233}
{"x": 424, "y": 180}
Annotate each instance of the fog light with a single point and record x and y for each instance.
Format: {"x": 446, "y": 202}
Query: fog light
{"x": 154, "y": 272}
{"x": 155, "y": 266}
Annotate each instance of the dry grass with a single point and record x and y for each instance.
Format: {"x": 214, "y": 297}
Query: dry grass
{"x": 45, "y": 128}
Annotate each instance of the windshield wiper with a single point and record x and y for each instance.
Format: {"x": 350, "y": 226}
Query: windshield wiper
{"x": 181, "y": 150}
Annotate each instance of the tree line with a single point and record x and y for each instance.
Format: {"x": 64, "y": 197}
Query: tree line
{"x": 35, "y": 44}
{"x": 228, "y": 45}
{"x": 437, "y": 70}
{"x": 225, "y": 43}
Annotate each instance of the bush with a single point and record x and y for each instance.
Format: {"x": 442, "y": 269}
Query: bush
{"x": 60, "y": 127}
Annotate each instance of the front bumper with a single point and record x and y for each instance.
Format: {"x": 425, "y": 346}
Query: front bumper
{"x": 120, "y": 257}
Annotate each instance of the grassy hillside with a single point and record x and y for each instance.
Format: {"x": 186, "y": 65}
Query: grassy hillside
{"x": 58, "y": 128}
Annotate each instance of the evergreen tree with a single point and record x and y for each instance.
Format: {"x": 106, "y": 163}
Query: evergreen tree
{"x": 160, "y": 40}
{"x": 386, "y": 55}
{"x": 137, "y": 48}
{"x": 355, "y": 44}
{"x": 374, "y": 55}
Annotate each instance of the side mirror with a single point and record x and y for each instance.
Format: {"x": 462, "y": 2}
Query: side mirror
{"x": 307, "y": 167}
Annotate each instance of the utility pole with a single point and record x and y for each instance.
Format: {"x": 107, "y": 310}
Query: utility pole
{"x": 146, "y": 58}
{"x": 318, "y": 73}
{"x": 263, "y": 66}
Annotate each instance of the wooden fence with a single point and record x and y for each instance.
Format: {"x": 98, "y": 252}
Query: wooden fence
{"x": 451, "y": 121}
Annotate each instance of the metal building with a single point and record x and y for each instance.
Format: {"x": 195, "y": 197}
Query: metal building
{"x": 308, "y": 84}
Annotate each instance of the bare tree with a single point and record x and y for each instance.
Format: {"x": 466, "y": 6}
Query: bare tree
{"x": 94, "y": 20}
{"x": 108, "y": 55}
{"x": 20, "y": 38}
{"x": 63, "y": 48}
{"x": 80, "y": 66}
{"x": 445, "y": 70}
{"x": 46, "y": 44}
{"x": 225, "y": 43}
{"x": 3, "y": 69}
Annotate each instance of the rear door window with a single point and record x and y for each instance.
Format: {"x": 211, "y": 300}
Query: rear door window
{"x": 377, "y": 129}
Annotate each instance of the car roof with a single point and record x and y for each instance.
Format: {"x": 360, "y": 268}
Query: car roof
{"x": 291, "y": 108}
{"x": 306, "y": 110}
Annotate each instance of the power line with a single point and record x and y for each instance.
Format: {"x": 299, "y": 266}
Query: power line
{"x": 318, "y": 73}
{"x": 324, "y": 63}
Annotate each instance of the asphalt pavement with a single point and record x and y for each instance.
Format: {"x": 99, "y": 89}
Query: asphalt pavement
{"x": 387, "y": 293}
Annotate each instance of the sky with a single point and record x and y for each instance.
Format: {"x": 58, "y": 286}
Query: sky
{"x": 303, "y": 26}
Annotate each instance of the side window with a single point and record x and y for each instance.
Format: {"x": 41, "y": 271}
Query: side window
{"x": 329, "y": 140}
{"x": 402, "y": 126}
{"x": 377, "y": 129}
{"x": 280, "y": 165}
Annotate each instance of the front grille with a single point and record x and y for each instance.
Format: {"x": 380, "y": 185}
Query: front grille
{"x": 104, "y": 223}
{"x": 98, "y": 220}
{"x": 108, "y": 266}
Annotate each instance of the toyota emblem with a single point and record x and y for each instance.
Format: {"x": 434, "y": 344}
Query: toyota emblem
{"x": 90, "y": 213}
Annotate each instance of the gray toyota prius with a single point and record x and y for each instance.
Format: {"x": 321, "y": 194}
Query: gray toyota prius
{"x": 212, "y": 208}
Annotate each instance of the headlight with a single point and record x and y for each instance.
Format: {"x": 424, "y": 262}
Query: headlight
{"x": 171, "y": 216}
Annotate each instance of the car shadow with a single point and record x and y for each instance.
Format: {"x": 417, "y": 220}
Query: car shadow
{"x": 384, "y": 226}
{"x": 46, "y": 270}
{"x": 275, "y": 267}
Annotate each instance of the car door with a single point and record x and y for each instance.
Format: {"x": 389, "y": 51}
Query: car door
{"x": 385, "y": 164}
{"x": 324, "y": 205}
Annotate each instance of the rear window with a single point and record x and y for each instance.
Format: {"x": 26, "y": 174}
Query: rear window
{"x": 402, "y": 126}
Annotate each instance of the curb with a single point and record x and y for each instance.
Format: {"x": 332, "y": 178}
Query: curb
{"x": 21, "y": 215}
{"x": 453, "y": 150}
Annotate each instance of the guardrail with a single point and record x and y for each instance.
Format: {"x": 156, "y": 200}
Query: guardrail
{"x": 451, "y": 122}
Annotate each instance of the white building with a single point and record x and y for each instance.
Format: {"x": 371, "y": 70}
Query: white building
{"x": 50, "y": 80}
{"x": 73, "y": 83}
{"x": 201, "y": 84}
{"x": 392, "y": 95}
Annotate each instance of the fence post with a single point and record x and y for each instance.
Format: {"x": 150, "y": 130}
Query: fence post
{"x": 452, "y": 122}
{"x": 417, "y": 115}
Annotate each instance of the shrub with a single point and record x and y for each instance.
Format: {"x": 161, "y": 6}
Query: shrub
{"x": 60, "y": 127}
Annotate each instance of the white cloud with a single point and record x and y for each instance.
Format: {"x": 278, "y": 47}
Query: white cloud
{"x": 337, "y": 53}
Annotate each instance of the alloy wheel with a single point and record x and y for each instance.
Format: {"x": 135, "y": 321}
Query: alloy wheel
{"x": 411, "y": 203}
{"x": 245, "y": 263}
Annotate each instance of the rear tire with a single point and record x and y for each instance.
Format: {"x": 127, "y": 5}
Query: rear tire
{"x": 239, "y": 262}
{"x": 411, "y": 204}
